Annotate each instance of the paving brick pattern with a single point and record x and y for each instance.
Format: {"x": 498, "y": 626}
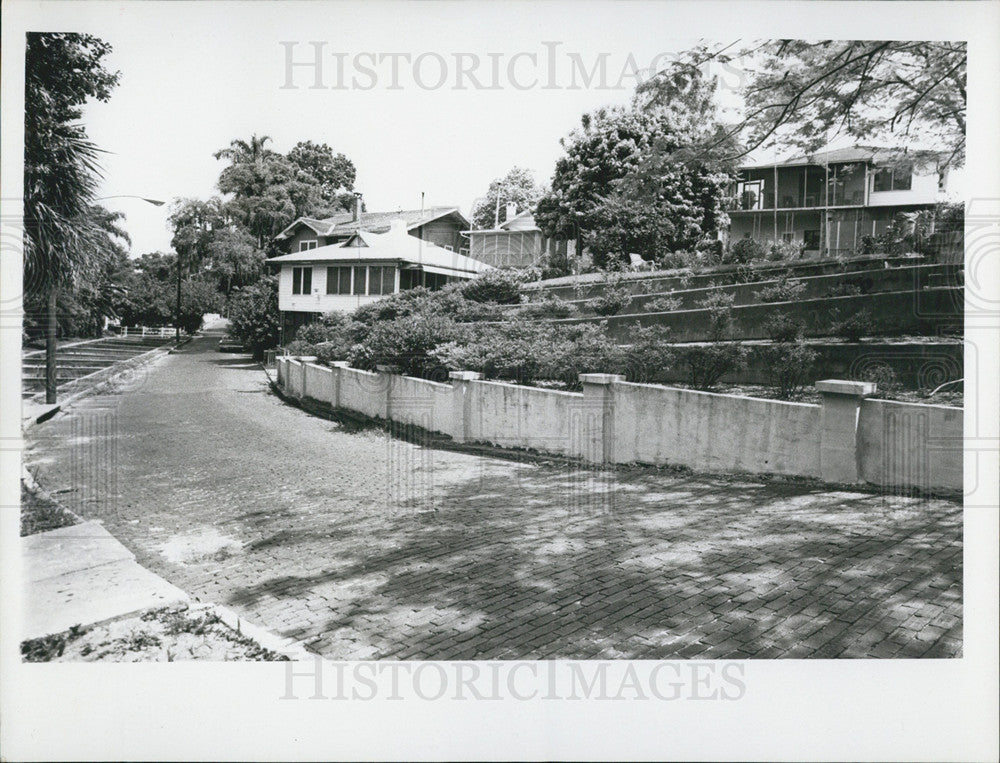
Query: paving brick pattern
{"x": 367, "y": 547}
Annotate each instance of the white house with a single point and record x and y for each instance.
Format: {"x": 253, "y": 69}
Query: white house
{"x": 362, "y": 269}
{"x": 517, "y": 242}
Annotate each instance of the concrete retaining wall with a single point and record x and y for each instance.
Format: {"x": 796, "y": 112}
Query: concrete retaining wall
{"x": 908, "y": 312}
{"x": 846, "y": 439}
{"x": 516, "y": 416}
{"x": 422, "y": 403}
{"x": 913, "y": 278}
{"x": 902, "y": 445}
{"x": 704, "y": 430}
{"x": 594, "y": 284}
{"x": 363, "y": 391}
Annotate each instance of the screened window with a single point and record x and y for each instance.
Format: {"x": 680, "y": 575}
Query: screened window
{"x": 360, "y": 281}
{"x": 894, "y": 178}
{"x": 338, "y": 280}
{"x": 381, "y": 280}
{"x": 302, "y": 280}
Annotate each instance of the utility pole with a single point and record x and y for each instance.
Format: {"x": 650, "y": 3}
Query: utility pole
{"x": 50, "y": 346}
{"x": 177, "y": 318}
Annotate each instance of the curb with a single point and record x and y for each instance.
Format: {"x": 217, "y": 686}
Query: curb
{"x": 290, "y": 648}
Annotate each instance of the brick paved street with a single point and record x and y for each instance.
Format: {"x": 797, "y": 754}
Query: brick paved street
{"x": 365, "y": 546}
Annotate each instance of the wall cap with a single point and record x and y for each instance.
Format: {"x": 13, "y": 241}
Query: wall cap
{"x": 387, "y": 368}
{"x": 306, "y": 358}
{"x": 339, "y": 364}
{"x": 464, "y": 375}
{"x": 601, "y": 378}
{"x": 841, "y": 387}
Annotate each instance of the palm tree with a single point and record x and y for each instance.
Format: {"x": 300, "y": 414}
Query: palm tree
{"x": 243, "y": 152}
{"x": 61, "y": 173}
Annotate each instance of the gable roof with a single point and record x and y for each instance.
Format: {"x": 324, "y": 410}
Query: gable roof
{"x": 393, "y": 246}
{"x": 376, "y": 222}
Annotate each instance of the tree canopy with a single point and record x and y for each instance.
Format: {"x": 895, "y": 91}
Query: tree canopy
{"x": 63, "y": 71}
{"x": 517, "y": 186}
{"x": 806, "y": 93}
{"x": 269, "y": 190}
{"x": 632, "y": 179}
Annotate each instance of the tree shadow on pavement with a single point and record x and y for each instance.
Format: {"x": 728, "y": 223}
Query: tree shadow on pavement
{"x": 542, "y": 562}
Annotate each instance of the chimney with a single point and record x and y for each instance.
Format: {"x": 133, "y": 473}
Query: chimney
{"x": 511, "y": 210}
{"x": 397, "y": 227}
{"x": 357, "y": 208}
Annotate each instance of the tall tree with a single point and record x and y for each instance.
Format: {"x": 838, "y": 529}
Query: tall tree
{"x": 517, "y": 186}
{"x": 634, "y": 179}
{"x": 332, "y": 175}
{"x": 805, "y": 94}
{"x": 62, "y": 72}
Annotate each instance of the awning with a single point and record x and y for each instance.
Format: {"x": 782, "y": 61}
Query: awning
{"x": 445, "y": 271}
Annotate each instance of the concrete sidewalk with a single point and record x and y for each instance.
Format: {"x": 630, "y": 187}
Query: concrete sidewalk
{"x": 82, "y": 575}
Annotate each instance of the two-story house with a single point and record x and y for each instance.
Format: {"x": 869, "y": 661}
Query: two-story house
{"x": 828, "y": 202}
{"x": 363, "y": 268}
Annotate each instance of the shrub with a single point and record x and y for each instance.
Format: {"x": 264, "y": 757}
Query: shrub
{"x": 579, "y": 349}
{"x": 396, "y": 305}
{"x": 511, "y": 350}
{"x": 869, "y": 245}
{"x": 790, "y": 366}
{"x": 845, "y": 290}
{"x": 649, "y": 354}
{"x": 549, "y": 307}
{"x": 663, "y": 304}
{"x": 854, "y": 327}
{"x": 407, "y": 342}
{"x": 499, "y": 285}
{"x": 707, "y": 364}
{"x": 711, "y": 250}
{"x": 524, "y": 350}
{"x": 746, "y": 250}
{"x": 613, "y": 301}
{"x": 253, "y": 316}
{"x": 784, "y": 250}
{"x": 783, "y": 328}
{"x": 785, "y": 289}
{"x": 679, "y": 260}
{"x": 884, "y": 377}
{"x": 720, "y": 319}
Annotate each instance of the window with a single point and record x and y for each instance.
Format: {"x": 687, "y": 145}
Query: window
{"x": 338, "y": 280}
{"x": 894, "y": 178}
{"x": 381, "y": 280}
{"x": 360, "y": 282}
{"x": 305, "y": 246}
{"x": 302, "y": 280}
{"x": 811, "y": 239}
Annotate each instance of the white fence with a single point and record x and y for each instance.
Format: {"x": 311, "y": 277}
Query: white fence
{"x": 846, "y": 439}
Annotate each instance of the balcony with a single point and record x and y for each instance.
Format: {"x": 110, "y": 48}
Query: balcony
{"x": 797, "y": 188}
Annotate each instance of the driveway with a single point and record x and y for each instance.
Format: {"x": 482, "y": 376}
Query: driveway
{"x": 364, "y": 546}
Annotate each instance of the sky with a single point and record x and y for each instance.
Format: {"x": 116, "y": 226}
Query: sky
{"x": 193, "y": 78}
{"x": 427, "y": 98}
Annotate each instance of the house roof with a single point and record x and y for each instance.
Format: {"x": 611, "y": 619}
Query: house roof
{"x": 875, "y": 154}
{"x": 376, "y": 222}
{"x": 524, "y": 216}
{"x": 394, "y": 246}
